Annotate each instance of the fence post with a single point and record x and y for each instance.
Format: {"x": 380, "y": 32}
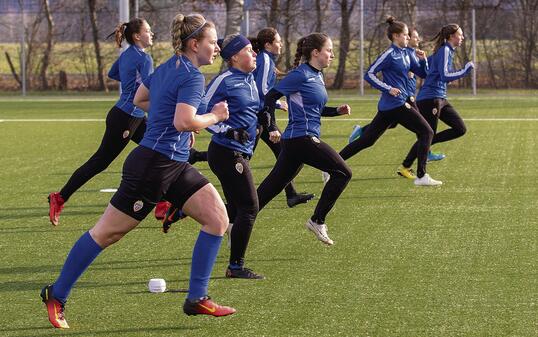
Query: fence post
{"x": 474, "y": 50}
{"x": 361, "y": 47}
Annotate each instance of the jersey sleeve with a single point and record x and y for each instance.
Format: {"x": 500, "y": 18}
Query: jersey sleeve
{"x": 379, "y": 65}
{"x": 445, "y": 67}
{"x": 114, "y": 72}
{"x": 191, "y": 91}
{"x": 215, "y": 92}
{"x": 418, "y": 67}
{"x": 146, "y": 67}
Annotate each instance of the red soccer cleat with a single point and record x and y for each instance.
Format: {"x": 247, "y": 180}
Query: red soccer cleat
{"x": 56, "y": 205}
{"x": 161, "y": 208}
{"x": 206, "y": 306}
{"x": 55, "y": 308}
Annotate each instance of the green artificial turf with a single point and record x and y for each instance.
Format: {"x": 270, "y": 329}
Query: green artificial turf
{"x": 459, "y": 260}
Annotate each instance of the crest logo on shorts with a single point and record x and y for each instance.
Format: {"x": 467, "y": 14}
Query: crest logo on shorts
{"x": 316, "y": 140}
{"x": 407, "y": 105}
{"x": 125, "y": 134}
{"x": 239, "y": 168}
{"x": 138, "y": 205}
{"x": 412, "y": 99}
{"x": 434, "y": 111}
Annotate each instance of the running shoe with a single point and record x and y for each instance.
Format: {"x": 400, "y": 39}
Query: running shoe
{"x": 56, "y": 205}
{"x": 355, "y": 134}
{"x": 406, "y": 172}
{"x": 161, "y": 208}
{"x": 426, "y": 180}
{"x": 206, "y": 306}
{"x": 173, "y": 214}
{"x": 245, "y": 273}
{"x": 320, "y": 230}
{"x": 299, "y": 198}
{"x": 55, "y": 308}
{"x": 435, "y": 156}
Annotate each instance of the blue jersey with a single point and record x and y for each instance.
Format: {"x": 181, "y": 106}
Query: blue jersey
{"x": 395, "y": 64}
{"x": 239, "y": 91}
{"x": 422, "y": 72}
{"x": 441, "y": 72}
{"x": 175, "y": 81}
{"x": 131, "y": 69}
{"x": 305, "y": 92}
{"x": 265, "y": 74}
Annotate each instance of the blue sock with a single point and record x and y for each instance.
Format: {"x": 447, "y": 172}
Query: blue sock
{"x": 78, "y": 260}
{"x": 204, "y": 255}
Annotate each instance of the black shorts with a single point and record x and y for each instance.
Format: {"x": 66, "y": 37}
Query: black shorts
{"x": 148, "y": 177}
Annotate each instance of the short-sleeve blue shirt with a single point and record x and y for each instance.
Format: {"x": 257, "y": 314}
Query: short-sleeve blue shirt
{"x": 175, "y": 81}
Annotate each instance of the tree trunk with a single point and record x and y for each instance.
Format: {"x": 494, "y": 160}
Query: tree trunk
{"x": 319, "y": 16}
{"x": 92, "y": 4}
{"x": 344, "y": 46}
{"x": 234, "y": 16}
{"x": 273, "y": 14}
{"x": 46, "y": 54}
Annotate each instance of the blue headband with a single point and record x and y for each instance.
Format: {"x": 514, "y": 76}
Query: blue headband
{"x": 233, "y": 47}
{"x": 196, "y": 31}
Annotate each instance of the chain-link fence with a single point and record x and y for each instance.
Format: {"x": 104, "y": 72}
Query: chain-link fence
{"x": 506, "y": 35}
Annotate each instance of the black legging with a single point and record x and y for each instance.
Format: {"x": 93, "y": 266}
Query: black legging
{"x": 120, "y": 128}
{"x": 233, "y": 171}
{"x": 432, "y": 110}
{"x": 408, "y": 117}
{"x": 313, "y": 152}
{"x": 275, "y": 148}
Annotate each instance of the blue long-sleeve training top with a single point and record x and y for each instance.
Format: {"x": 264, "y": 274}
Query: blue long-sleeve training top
{"x": 239, "y": 90}
{"x": 175, "y": 81}
{"x": 395, "y": 64}
{"x": 441, "y": 72}
{"x": 422, "y": 72}
{"x": 265, "y": 74}
{"x": 306, "y": 95}
{"x": 131, "y": 69}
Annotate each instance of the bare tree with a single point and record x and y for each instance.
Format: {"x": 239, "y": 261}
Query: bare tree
{"x": 92, "y": 4}
{"x": 273, "y": 14}
{"x": 346, "y": 8}
{"x": 45, "y": 61}
{"x": 234, "y": 16}
{"x": 526, "y": 38}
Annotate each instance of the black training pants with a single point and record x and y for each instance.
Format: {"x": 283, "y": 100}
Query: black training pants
{"x": 432, "y": 110}
{"x": 120, "y": 128}
{"x": 311, "y": 151}
{"x": 408, "y": 117}
{"x": 233, "y": 170}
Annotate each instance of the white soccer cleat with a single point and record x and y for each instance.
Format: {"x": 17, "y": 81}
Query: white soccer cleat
{"x": 426, "y": 180}
{"x": 320, "y": 230}
{"x": 229, "y": 233}
{"x": 325, "y": 177}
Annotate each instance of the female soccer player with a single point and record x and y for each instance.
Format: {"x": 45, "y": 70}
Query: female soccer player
{"x": 431, "y": 99}
{"x": 232, "y": 144}
{"x": 124, "y": 121}
{"x": 305, "y": 92}
{"x": 268, "y": 46}
{"x": 157, "y": 167}
{"x": 395, "y": 104}
{"x": 413, "y": 46}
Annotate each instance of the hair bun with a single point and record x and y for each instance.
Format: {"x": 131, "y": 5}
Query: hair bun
{"x": 390, "y": 19}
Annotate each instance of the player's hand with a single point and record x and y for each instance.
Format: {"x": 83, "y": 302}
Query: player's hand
{"x": 274, "y": 136}
{"x": 421, "y": 54}
{"x": 220, "y": 110}
{"x": 395, "y": 92}
{"x": 344, "y": 109}
{"x": 284, "y": 105}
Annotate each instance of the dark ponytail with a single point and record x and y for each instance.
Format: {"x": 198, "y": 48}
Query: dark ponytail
{"x": 307, "y": 44}
{"x": 125, "y": 31}
{"x": 444, "y": 35}
{"x": 395, "y": 27}
{"x": 266, "y": 35}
